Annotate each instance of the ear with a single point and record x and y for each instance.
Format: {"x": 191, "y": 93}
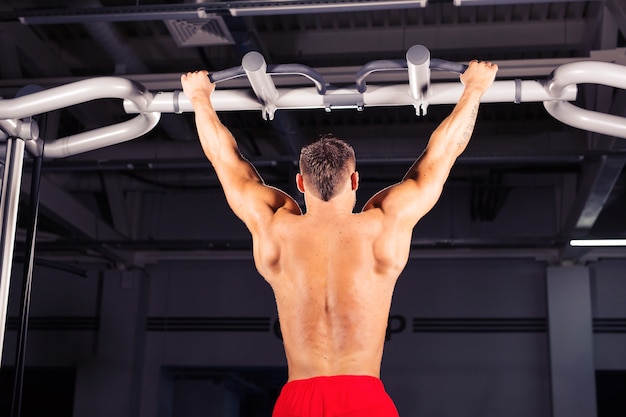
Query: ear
{"x": 300, "y": 182}
{"x": 354, "y": 179}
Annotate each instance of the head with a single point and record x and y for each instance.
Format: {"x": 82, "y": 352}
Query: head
{"x": 326, "y": 165}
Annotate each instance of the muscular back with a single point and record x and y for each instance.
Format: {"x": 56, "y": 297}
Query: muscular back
{"x": 333, "y": 279}
{"x": 333, "y": 276}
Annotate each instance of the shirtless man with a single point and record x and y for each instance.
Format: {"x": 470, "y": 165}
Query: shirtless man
{"x": 333, "y": 271}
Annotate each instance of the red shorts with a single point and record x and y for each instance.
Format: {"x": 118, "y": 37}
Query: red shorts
{"x": 335, "y": 396}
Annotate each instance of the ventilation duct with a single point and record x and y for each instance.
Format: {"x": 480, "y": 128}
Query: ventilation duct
{"x": 200, "y": 32}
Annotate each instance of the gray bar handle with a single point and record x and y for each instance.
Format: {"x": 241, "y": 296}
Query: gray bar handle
{"x": 389, "y": 65}
{"x": 297, "y": 69}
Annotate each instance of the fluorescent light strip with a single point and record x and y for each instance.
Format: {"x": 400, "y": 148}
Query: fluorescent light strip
{"x": 597, "y": 242}
{"x": 505, "y": 2}
{"x": 337, "y": 6}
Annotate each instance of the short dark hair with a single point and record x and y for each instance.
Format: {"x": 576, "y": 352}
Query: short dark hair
{"x": 325, "y": 163}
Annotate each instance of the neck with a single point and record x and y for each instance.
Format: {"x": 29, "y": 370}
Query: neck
{"x": 339, "y": 205}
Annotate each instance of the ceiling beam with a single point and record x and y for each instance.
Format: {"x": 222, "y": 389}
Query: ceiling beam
{"x": 565, "y": 34}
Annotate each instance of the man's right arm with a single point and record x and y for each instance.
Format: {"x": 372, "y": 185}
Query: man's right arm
{"x": 421, "y": 187}
{"x": 247, "y": 195}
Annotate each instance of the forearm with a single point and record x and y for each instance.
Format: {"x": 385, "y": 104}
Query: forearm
{"x": 453, "y": 134}
{"x": 450, "y": 138}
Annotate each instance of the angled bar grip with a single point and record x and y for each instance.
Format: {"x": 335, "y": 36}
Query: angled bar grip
{"x": 291, "y": 69}
{"x": 227, "y": 74}
{"x": 417, "y": 60}
{"x": 375, "y": 66}
{"x": 442, "y": 65}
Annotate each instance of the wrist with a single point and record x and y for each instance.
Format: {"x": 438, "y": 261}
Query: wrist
{"x": 200, "y": 99}
{"x": 474, "y": 91}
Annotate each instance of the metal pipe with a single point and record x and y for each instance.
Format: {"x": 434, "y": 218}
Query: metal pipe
{"x": 593, "y": 121}
{"x": 102, "y": 137}
{"x": 593, "y": 72}
{"x": 280, "y": 69}
{"x": 390, "y": 95}
{"x": 254, "y": 65}
{"x": 418, "y": 64}
{"x": 298, "y": 69}
{"x": 417, "y": 61}
{"x": 442, "y": 65}
{"x": 227, "y": 74}
{"x": 9, "y": 204}
{"x": 27, "y": 278}
{"x": 26, "y": 130}
{"x": 375, "y": 66}
{"x": 74, "y": 93}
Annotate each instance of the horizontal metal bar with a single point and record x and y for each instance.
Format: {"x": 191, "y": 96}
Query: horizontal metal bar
{"x": 75, "y": 93}
{"x": 102, "y": 137}
{"x": 591, "y": 72}
{"x": 593, "y": 121}
{"x": 588, "y": 72}
{"x": 11, "y": 110}
{"x": 389, "y": 95}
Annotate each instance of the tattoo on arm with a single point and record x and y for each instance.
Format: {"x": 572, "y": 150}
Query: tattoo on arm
{"x": 469, "y": 128}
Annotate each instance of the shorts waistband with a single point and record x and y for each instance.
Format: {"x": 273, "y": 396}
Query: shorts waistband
{"x": 334, "y": 380}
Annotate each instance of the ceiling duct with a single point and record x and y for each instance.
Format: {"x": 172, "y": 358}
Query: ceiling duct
{"x": 200, "y": 32}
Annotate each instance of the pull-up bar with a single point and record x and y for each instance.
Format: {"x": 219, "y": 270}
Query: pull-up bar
{"x": 419, "y": 92}
{"x": 555, "y": 93}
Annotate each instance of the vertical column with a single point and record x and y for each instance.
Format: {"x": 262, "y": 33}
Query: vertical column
{"x": 110, "y": 385}
{"x": 11, "y": 183}
{"x": 570, "y": 330}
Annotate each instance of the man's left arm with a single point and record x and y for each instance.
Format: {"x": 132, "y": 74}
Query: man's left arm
{"x": 409, "y": 200}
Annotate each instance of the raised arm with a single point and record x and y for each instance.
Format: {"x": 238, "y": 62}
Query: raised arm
{"x": 421, "y": 187}
{"x": 249, "y": 198}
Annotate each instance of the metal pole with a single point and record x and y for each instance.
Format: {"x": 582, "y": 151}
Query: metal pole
{"x": 9, "y": 200}
{"x": 20, "y": 358}
{"x": 418, "y": 62}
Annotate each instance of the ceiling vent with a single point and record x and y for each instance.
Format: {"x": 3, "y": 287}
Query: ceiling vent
{"x": 200, "y": 32}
